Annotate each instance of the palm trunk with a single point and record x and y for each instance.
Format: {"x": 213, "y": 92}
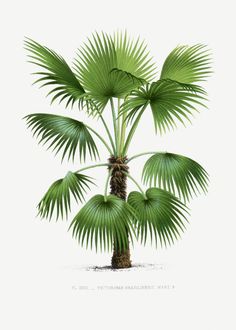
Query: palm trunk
{"x": 120, "y": 259}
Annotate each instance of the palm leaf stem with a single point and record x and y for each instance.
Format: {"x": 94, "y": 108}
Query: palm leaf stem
{"x": 122, "y": 134}
{"x": 141, "y": 154}
{"x": 135, "y": 182}
{"x": 118, "y": 125}
{"x": 105, "y": 126}
{"x": 101, "y": 138}
{"x": 106, "y": 185}
{"x": 115, "y": 125}
{"x": 91, "y": 166}
{"x": 132, "y": 130}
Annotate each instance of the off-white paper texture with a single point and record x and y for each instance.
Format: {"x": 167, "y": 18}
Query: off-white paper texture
{"x": 47, "y": 281}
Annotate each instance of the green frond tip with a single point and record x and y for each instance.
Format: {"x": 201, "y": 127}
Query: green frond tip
{"x": 187, "y": 64}
{"x": 170, "y": 101}
{"x": 63, "y": 134}
{"x": 55, "y": 72}
{"x": 58, "y": 197}
{"x": 111, "y": 66}
{"x": 102, "y": 222}
{"x": 159, "y": 214}
{"x": 178, "y": 174}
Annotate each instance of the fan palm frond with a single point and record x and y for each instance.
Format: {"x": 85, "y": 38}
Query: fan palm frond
{"x": 56, "y": 73}
{"x": 64, "y": 134}
{"x": 101, "y": 222}
{"x": 169, "y": 101}
{"x": 133, "y": 57}
{"x": 175, "y": 173}
{"x": 58, "y": 196}
{"x": 159, "y": 213}
{"x": 103, "y": 61}
{"x": 187, "y": 64}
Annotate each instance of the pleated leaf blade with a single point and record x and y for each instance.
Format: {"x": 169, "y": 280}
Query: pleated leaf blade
{"x": 111, "y": 66}
{"x": 170, "y": 102}
{"x": 160, "y": 215}
{"x": 187, "y": 64}
{"x": 63, "y": 134}
{"x": 57, "y": 199}
{"x": 102, "y": 222}
{"x": 178, "y": 174}
{"x": 55, "y": 72}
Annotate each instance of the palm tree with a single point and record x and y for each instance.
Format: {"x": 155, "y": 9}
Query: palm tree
{"x": 117, "y": 71}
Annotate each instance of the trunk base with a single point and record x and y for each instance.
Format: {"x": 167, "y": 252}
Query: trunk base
{"x": 121, "y": 259}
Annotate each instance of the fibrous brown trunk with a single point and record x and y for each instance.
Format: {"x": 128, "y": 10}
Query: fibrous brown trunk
{"x": 120, "y": 259}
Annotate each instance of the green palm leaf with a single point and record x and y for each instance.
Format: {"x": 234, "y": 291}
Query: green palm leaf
{"x": 159, "y": 213}
{"x": 58, "y": 196}
{"x": 175, "y": 173}
{"x": 56, "y": 73}
{"x": 133, "y": 56}
{"x": 187, "y": 64}
{"x": 64, "y": 134}
{"x": 103, "y": 61}
{"x": 121, "y": 74}
{"x": 105, "y": 222}
{"x": 169, "y": 101}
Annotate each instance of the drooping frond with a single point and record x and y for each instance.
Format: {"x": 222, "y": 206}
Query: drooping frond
{"x": 175, "y": 173}
{"x": 56, "y": 73}
{"x": 169, "y": 101}
{"x": 101, "y": 222}
{"x": 63, "y": 134}
{"x": 121, "y": 74}
{"x": 159, "y": 214}
{"x": 187, "y": 64}
{"x": 106, "y": 66}
{"x": 58, "y": 197}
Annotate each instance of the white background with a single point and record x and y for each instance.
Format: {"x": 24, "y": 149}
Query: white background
{"x": 42, "y": 267}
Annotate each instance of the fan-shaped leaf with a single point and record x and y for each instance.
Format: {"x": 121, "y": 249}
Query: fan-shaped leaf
{"x": 56, "y": 73}
{"x": 58, "y": 196}
{"x": 169, "y": 100}
{"x": 104, "y": 221}
{"x": 187, "y": 64}
{"x": 159, "y": 213}
{"x": 175, "y": 173}
{"x": 100, "y": 58}
{"x": 133, "y": 57}
{"x": 64, "y": 134}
